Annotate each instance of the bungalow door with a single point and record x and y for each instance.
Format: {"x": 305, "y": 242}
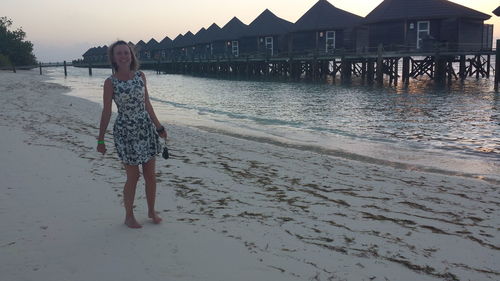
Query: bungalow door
{"x": 423, "y": 31}
{"x": 235, "y": 48}
{"x": 269, "y": 45}
{"x": 330, "y": 41}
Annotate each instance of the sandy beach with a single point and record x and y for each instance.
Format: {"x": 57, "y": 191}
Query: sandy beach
{"x": 233, "y": 209}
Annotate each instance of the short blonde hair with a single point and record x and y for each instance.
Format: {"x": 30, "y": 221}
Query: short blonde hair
{"x": 134, "y": 64}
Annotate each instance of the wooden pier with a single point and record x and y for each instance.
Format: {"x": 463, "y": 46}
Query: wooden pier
{"x": 375, "y": 67}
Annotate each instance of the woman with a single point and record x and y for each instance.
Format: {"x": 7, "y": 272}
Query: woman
{"x": 136, "y": 130}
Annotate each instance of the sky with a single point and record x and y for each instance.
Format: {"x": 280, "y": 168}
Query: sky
{"x": 65, "y": 29}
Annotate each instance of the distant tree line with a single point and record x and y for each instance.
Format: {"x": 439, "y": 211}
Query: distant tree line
{"x": 14, "y": 49}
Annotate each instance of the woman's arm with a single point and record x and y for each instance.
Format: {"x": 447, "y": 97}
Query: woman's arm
{"x": 105, "y": 115}
{"x": 150, "y": 110}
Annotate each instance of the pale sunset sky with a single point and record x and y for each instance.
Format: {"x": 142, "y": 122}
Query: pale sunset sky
{"x": 65, "y": 29}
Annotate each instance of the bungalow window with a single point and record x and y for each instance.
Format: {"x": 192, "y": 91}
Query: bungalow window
{"x": 423, "y": 31}
{"x": 330, "y": 41}
{"x": 148, "y": 55}
{"x": 235, "y": 48}
{"x": 163, "y": 54}
{"x": 269, "y": 45}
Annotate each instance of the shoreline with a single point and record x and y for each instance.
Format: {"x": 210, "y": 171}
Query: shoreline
{"x": 353, "y": 156}
{"x": 389, "y": 153}
{"x": 277, "y": 213}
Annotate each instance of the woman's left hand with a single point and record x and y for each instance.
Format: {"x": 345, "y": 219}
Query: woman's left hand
{"x": 163, "y": 134}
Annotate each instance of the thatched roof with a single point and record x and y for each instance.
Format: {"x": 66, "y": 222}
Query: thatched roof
{"x": 165, "y": 43}
{"x": 152, "y": 45}
{"x": 186, "y": 40}
{"x": 97, "y": 51}
{"x": 497, "y": 11}
{"x": 324, "y": 16}
{"x": 411, "y": 9}
{"x": 268, "y": 23}
{"x": 140, "y": 44}
{"x": 177, "y": 40}
{"x": 210, "y": 35}
{"x": 199, "y": 35}
{"x": 232, "y": 30}
{"x": 89, "y": 52}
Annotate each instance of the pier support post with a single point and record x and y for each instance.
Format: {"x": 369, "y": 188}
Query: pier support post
{"x": 449, "y": 71}
{"x": 40, "y": 66}
{"x": 478, "y": 65}
{"x": 14, "y": 68}
{"x": 440, "y": 69}
{"x": 363, "y": 69}
{"x": 497, "y": 65}
{"x": 379, "y": 70}
{"x": 396, "y": 71}
{"x": 90, "y": 69}
{"x": 247, "y": 68}
{"x": 461, "y": 71}
{"x": 65, "y": 69}
{"x": 488, "y": 65}
{"x": 380, "y": 61}
{"x": 370, "y": 71}
{"x": 406, "y": 70}
{"x": 345, "y": 70}
{"x": 314, "y": 66}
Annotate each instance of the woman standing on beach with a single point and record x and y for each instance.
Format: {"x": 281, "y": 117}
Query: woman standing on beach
{"x": 136, "y": 130}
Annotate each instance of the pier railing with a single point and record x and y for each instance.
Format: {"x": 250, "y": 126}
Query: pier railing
{"x": 387, "y": 51}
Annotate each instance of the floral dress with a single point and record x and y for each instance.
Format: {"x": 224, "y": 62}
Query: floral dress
{"x": 136, "y": 139}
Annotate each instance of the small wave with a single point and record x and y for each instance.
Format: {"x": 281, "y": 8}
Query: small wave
{"x": 259, "y": 120}
{"x": 352, "y": 155}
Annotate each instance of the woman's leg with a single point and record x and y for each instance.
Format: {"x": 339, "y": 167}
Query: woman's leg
{"x": 149, "y": 172}
{"x": 129, "y": 195}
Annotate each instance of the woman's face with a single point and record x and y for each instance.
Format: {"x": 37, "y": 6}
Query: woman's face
{"x": 122, "y": 56}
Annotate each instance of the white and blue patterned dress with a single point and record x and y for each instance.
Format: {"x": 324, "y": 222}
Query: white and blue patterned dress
{"x": 136, "y": 139}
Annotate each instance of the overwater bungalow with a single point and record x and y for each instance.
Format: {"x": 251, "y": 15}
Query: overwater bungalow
{"x": 165, "y": 47}
{"x": 198, "y": 49}
{"x": 228, "y": 39}
{"x": 151, "y": 50}
{"x": 175, "y": 50}
{"x": 101, "y": 54}
{"x": 204, "y": 43}
{"x": 183, "y": 46}
{"x": 138, "y": 48}
{"x": 267, "y": 34}
{"x": 88, "y": 56}
{"x": 424, "y": 25}
{"x": 96, "y": 54}
{"x": 325, "y": 28}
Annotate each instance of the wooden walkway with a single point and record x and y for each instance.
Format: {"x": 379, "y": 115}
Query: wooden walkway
{"x": 373, "y": 67}
{"x": 376, "y": 67}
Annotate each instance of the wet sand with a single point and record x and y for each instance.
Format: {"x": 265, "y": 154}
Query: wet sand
{"x": 234, "y": 209}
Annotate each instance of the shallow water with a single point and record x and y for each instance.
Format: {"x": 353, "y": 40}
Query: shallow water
{"x": 453, "y": 129}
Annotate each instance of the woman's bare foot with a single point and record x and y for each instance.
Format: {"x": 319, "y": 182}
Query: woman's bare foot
{"x": 132, "y": 222}
{"x": 154, "y": 216}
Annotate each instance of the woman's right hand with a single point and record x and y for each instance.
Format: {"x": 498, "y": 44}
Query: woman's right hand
{"x": 101, "y": 148}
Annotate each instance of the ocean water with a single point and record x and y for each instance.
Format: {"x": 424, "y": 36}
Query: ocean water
{"x": 446, "y": 129}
